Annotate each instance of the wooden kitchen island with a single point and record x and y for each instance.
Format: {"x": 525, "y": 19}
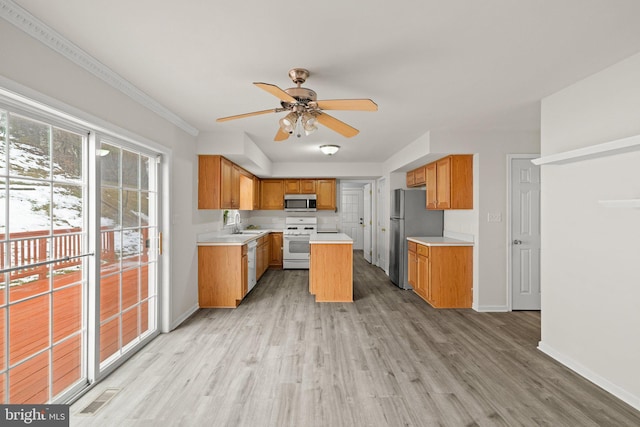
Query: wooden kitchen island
{"x": 331, "y": 267}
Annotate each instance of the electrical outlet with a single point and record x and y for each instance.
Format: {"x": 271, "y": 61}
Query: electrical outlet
{"x": 494, "y": 217}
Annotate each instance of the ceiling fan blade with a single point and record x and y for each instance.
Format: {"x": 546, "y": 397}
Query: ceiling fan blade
{"x": 242, "y": 116}
{"x": 276, "y": 91}
{"x": 281, "y": 135}
{"x": 336, "y": 125}
{"x": 348, "y": 104}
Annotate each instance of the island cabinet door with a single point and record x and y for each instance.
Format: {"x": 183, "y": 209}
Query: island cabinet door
{"x": 331, "y": 272}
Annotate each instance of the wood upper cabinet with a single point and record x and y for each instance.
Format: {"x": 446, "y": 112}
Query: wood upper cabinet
{"x": 291, "y": 186}
{"x": 308, "y": 186}
{"x": 431, "y": 185}
{"x": 443, "y": 275}
{"x": 416, "y": 177}
{"x": 230, "y": 185}
{"x": 450, "y": 183}
{"x": 300, "y": 186}
{"x": 275, "y": 250}
{"x": 256, "y": 193}
{"x": 326, "y": 194}
{"x": 222, "y": 275}
{"x": 219, "y": 184}
{"x": 272, "y": 194}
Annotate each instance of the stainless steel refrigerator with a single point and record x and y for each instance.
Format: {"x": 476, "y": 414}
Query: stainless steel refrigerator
{"x": 409, "y": 218}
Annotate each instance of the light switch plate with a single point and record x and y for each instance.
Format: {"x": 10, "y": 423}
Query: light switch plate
{"x": 494, "y": 217}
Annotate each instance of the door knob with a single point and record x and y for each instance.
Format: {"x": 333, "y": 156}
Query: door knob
{"x": 517, "y": 242}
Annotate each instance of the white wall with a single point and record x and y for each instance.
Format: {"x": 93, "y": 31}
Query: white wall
{"x": 590, "y": 254}
{"x": 29, "y": 63}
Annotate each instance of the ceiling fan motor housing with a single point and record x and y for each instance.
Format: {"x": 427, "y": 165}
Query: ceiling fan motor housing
{"x": 303, "y": 95}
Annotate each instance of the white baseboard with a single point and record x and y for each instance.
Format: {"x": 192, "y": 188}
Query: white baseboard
{"x": 184, "y": 317}
{"x": 491, "y": 308}
{"x": 587, "y": 373}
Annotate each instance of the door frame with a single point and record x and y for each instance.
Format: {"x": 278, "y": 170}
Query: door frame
{"x": 511, "y": 157}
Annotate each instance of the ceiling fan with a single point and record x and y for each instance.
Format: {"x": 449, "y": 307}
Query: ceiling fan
{"x": 305, "y": 110}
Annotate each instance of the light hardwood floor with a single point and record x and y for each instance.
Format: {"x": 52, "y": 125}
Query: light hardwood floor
{"x": 387, "y": 359}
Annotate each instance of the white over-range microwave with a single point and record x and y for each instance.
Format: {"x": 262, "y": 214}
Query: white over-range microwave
{"x": 300, "y": 202}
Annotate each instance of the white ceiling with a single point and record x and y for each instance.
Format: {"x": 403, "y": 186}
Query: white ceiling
{"x": 428, "y": 64}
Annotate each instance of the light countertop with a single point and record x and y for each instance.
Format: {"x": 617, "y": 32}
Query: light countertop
{"x": 439, "y": 241}
{"x": 227, "y": 239}
{"x": 332, "y": 238}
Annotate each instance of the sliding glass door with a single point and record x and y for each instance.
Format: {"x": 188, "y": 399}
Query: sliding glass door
{"x": 128, "y": 268}
{"x": 43, "y": 256}
{"x": 79, "y": 236}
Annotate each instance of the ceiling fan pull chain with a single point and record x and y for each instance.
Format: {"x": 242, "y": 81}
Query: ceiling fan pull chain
{"x": 298, "y": 127}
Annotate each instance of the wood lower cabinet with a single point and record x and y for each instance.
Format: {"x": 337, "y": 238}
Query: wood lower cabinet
{"x": 450, "y": 183}
{"x": 262, "y": 256}
{"x": 326, "y": 194}
{"x": 443, "y": 274}
{"x": 222, "y": 275}
{"x": 272, "y": 194}
{"x": 275, "y": 250}
{"x": 412, "y": 268}
{"x": 331, "y": 272}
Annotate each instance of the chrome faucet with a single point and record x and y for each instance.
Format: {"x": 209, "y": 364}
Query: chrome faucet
{"x": 236, "y": 224}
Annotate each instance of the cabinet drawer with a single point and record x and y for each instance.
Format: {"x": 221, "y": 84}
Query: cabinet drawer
{"x": 412, "y": 246}
{"x": 423, "y": 250}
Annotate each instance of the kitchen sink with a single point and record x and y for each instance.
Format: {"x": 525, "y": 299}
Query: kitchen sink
{"x": 248, "y": 232}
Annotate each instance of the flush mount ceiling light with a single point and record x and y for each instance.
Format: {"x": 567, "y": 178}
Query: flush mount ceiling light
{"x": 329, "y": 149}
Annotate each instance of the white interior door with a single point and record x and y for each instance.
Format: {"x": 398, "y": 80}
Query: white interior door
{"x": 352, "y": 215}
{"x": 525, "y": 234}
{"x": 367, "y": 223}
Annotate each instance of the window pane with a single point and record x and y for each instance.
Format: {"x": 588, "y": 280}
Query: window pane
{"x": 130, "y": 169}
{"x": 67, "y": 363}
{"x": 67, "y": 208}
{"x": 29, "y": 205}
{"x": 29, "y": 147}
{"x": 67, "y": 312}
{"x": 109, "y": 333}
{"x": 3, "y": 200}
{"x": 130, "y": 208}
{"x": 26, "y": 341}
{"x": 110, "y": 165}
{"x": 144, "y": 172}
{"x": 130, "y": 285}
{"x": 144, "y": 209}
{"x": 129, "y": 325}
{"x": 3, "y": 147}
{"x": 67, "y": 155}
{"x": 109, "y": 296}
{"x": 131, "y": 248}
{"x": 29, "y": 382}
{"x": 110, "y": 214}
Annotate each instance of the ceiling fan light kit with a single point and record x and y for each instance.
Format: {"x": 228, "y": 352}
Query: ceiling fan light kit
{"x": 305, "y": 111}
{"x": 329, "y": 149}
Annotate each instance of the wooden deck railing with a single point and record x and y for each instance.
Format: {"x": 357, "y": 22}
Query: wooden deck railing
{"x": 31, "y": 247}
